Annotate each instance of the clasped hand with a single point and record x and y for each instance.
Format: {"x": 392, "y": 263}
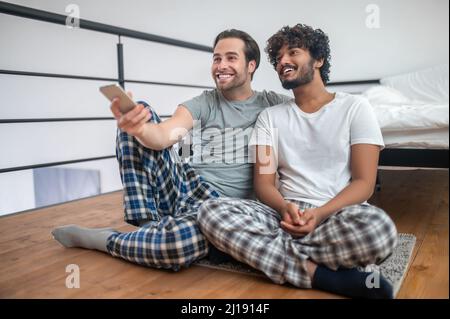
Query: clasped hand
{"x": 299, "y": 223}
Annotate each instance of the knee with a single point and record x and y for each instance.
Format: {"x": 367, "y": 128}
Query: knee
{"x": 209, "y": 215}
{"x": 384, "y": 236}
{"x": 124, "y": 136}
{"x": 369, "y": 235}
{"x": 391, "y": 237}
{"x": 155, "y": 117}
{"x": 217, "y": 218}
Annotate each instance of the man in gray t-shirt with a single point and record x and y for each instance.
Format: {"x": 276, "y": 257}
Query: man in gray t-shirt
{"x": 220, "y": 137}
{"x": 162, "y": 193}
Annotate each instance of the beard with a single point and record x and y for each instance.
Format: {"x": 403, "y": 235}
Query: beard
{"x": 306, "y": 76}
{"x": 238, "y": 81}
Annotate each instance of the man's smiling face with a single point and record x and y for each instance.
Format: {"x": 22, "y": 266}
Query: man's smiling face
{"x": 295, "y": 67}
{"x": 230, "y": 68}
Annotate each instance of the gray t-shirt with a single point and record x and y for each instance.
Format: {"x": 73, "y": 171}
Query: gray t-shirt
{"x": 220, "y": 137}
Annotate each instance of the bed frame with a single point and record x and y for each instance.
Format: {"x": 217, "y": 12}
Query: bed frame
{"x": 422, "y": 158}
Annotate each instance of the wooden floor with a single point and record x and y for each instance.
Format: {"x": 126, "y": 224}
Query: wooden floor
{"x": 33, "y": 265}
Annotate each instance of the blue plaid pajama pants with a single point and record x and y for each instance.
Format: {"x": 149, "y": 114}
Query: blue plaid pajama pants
{"x": 166, "y": 193}
{"x": 249, "y": 231}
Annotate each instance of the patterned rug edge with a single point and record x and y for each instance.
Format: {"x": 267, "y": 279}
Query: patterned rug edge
{"x": 394, "y": 268}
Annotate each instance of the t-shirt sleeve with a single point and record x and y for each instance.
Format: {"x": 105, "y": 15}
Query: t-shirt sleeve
{"x": 276, "y": 98}
{"x": 364, "y": 128}
{"x": 262, "y": 132}
{"x": 200, "y": 106}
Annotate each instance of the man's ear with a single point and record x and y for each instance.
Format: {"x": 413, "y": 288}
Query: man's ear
{"x": 318, "y": 64}
{"x": 251, "y": 66}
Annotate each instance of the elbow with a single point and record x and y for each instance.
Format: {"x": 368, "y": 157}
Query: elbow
{"x": 154, "y": 145}
{"x": 365, "y": 188}
{"x": 257, "y": 192}
{"x": 370, "y": 192}
{"x": 160, "y": 142}
{"x": 369, "y": 189}
{"x": 372, "y": 187}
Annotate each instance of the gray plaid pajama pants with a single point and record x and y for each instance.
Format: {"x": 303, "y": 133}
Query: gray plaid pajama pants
{"x": 166, "y": 193}
{"x": 250, "y": 231}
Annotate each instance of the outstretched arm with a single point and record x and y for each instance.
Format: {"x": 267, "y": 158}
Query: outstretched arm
{"x": 152, "y": 135}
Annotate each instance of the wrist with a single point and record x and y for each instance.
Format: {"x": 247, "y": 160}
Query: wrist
{"x": 284, "y": 207}
{"x": 322, "y": 213}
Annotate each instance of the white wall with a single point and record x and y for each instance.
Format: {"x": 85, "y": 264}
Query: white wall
{"x": 413, "y": 34}
{"x": 16, "y": 191}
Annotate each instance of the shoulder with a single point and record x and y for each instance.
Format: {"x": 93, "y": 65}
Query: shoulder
{"x": 351, "y": 102}
{"x": 207, "y": 98}
{"x": 273, "y": 98}
{"x": 210, "y": 94}
{"x": 280, "y": 111}
{"x": 202, "y": 105}
{"x": 206, "y": 94}
{"x": 356, "y": 109}
{"x": 352, "y": 98}
{"x": 280, "y": 108}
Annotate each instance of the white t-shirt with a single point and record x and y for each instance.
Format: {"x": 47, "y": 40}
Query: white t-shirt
{"x": 312, "y": 150}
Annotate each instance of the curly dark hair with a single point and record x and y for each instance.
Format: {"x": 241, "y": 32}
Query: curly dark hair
{"x": 251, "y": 48}
{"x": 305, "y": 37}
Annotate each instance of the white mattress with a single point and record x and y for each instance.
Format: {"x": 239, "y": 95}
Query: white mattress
{"x": 429, "y": 139}
{"x": 407, "y": 123}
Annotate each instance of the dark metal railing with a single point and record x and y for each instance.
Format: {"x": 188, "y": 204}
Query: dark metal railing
{"x": 35, "y": 14}
{"x": 359, "y": 82}
{"x": 64, "y": 119}
{"x": 40, "y": 15}
{"x": 22, "y": 168}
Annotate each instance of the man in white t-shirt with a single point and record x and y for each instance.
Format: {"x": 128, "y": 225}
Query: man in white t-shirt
{"x": 315, "y": 229}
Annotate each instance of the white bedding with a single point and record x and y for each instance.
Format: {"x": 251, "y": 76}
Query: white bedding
{"x": 409, "y": 123}
{"x": 406, "y": 117}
